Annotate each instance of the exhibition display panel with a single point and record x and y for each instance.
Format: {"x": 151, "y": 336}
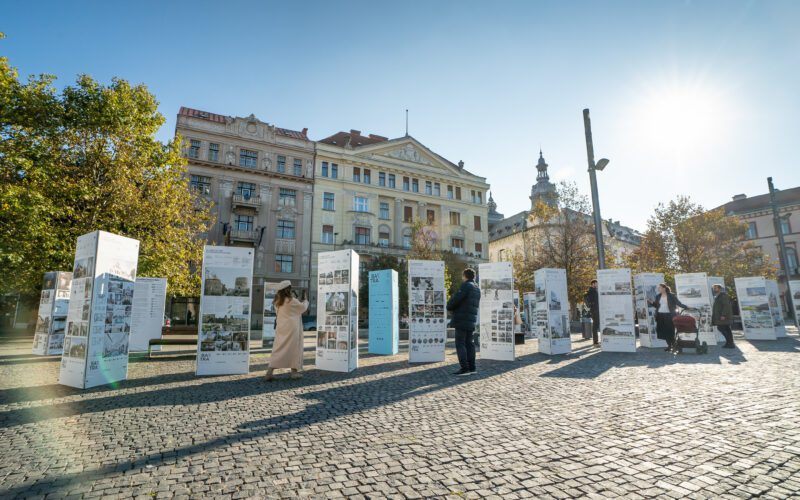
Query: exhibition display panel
{"x": 223, "y": 343}
{"x": 337, "y": 311}
{"x": 529, "y": 306}
{"x": 100, "y": 310}
{"x": 692, "y": 289}
{"x": 268, "y": 327}
{"x": 616, "y": 310}
{"x": 776, "y": 308}
{"x": 496, "y": 311}
{"x": 645, "y": 289}
{"x": 51, "y": 320}
{"x": 552, "y": 311}
{"x": 147, "y": 317}
{"x": 427, "y": 328}
{"x": 794, "y": 289}
{"x": 754, "y": 308}
{"x": 384, "y": 312}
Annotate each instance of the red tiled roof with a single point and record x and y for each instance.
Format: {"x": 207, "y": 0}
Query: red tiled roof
{"x": 295, "y": 134}
{"x": 355, "y": 138}
{"x": 213, "y": 117}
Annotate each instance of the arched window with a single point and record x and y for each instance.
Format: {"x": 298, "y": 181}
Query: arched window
{"x": 791, "y": 261}
{"x": 407, "y": 237}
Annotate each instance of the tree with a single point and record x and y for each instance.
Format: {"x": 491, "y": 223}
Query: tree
{"x": 84, "y": 159}
{"x": 426, "y": 245}
{"x": 378, "y": 263}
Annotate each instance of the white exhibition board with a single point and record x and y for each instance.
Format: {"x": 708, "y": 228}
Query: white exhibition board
{"x": 223, "y": 326}
{"x": 617, "y": 331}
{"x": 268, "y": 327}
{"x": 496, "y": 282}
{"x": 337, "y": 311}
{"x": 692, "y": 289}
{"x": 517, "y": 327}
{"x": 776, "y": 308}
{"x": 100, "y": 309}
{"x": 529, "y": 306}
{"x": 51, "y": 320}
{"x": 552, "y": 311}
{"x": 794, "y": 290}
{"x": 757, "y": 321}
{"x": 427, "y": 328}
{"x": 147, "y": 317}
{"x": 645, "y": 289}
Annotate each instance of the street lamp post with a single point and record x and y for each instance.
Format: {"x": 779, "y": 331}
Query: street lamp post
{"x": 776, "y": 219}
{"x": 593, "y": 168}
{"x": 335, "y": 236}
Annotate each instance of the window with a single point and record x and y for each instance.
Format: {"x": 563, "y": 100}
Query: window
{"x": 407, "y": 238}
{"x": 479, "y": 249}
{"x": 324, "y": 169}
{"x": 243, "y": 223}
{"x": 391, "y": 181}
{"x": 437, "y": 189}
{"x": 328, "y": 201}
{"x": 367, "y": 175}
{"x": 408, "y": 214}
{"x": 283, "y": 263}
{"x": 480, "y": 198}
{"x": 785, "y": 227}
{"x": 287, "y": 197}
{"x": 194, "y": 149}
{"x": 752, "y": 231}
{"x": 285, "y": 229}
{"x": 298, "y": 167}
{"x": 415, "y": 185}
{"x": 281, "y": 164}
{"x": 791, "y": 261}
{"x": 248, "y": 158}
{"x": 201, "y": 184}
{"x": 449, "y": 192}
{"x": 384, "y": 211}
{"x": 360, "y": 204}
{"x": 431, "y": 216}
{"x": 428, "y": 187}
{"x": 382, "y": 179}
{"x": 458, "y": 245}
{"x": 406, "y": 184}
{"x": 473, "y": 196}
{"x": 476, "y": 223}
{"x": 334, "y": 171}
{"x": 383, "y": 238}
{"x": 455, "y": 219}
{"x": 362, "y": 235}
{"x": 213, "y": 152}
{"x": 246, "y": 190}
{"x": 356, "y": 174}
{"x": 458, "y": 193}
{"x": 327, "y": 234}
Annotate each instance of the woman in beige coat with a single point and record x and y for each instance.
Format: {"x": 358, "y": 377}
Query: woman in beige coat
{"x": 287, "y": 348}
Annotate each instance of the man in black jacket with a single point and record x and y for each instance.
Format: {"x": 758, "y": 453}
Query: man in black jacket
{"x": 592, "y": 301}
{"x": 464, "y": 308}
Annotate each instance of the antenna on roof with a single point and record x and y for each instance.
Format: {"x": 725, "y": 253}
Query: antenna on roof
{"x": 406, "y": 122}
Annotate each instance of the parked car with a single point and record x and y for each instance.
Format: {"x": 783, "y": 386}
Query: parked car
{"x": 309, "y": 323}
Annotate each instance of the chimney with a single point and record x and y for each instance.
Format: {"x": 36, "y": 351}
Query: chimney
{"x": 738, "y": 197}
{"x": 305, "y": 131}
{"x": 355, "y": 132}
{"x": 378, "y": 137}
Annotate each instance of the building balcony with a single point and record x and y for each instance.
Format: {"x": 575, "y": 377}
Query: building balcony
{"x": 458, "y": 251}
{"x": 239, "y": 200}
{"x": 372, "y": 248}
{"x": 458, "y": 230}
{"x": 243, "y": 235}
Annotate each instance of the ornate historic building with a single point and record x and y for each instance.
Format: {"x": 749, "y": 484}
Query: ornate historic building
{"x": 260, "y": 180}
{"x": 369, "y": 190}
{"x": 506, "y": 234}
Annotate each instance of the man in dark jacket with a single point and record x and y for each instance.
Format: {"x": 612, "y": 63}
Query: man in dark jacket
{"x": 592, "y": 301}
{"x": 464, "y": 308}
{"x": 722, "y": 315}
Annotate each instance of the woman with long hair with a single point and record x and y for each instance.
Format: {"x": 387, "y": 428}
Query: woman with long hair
{"x": 666, "y": 304}
{"x": 287, "y": 348}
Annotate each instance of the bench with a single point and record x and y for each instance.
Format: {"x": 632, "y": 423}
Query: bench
{"x": 165, "y": 332}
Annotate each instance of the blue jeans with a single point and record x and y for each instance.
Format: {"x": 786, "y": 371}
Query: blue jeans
{"x": 465, "y": 347}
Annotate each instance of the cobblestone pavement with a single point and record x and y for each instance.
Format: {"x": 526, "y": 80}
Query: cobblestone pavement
{"x": 722, "y": 425}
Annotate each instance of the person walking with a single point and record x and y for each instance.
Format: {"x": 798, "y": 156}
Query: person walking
{"x": 722, "y": 315}
{"x": 287, "y": 348}
{"x": 666, "y": 304}
{"x": 592, "y": 301}
{"x": 464, "y": 306}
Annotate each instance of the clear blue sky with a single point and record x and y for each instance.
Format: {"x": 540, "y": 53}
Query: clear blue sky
{"x": 687, "y": 97}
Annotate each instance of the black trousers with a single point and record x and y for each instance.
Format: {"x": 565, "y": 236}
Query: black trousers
{"x": 595, "y": 326}
{"x": 665, "y": 330}
{"x": 465, "y": 348}
{"x": 726, "y": 332}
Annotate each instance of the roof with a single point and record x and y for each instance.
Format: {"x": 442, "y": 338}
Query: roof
{"x": 354, "y": 138}
{"x": 761, "y": 202}
{"x": 516, "y": 223}
{"x": 213, "y": 117}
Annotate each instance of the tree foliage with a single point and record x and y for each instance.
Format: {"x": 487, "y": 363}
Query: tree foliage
{"x": 426, "y": 245}
{"x": 378, "y": 263}
{"x": 84, "y": 159}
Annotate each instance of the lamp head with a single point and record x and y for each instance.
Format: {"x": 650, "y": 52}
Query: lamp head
{"x": 600, "y": 165}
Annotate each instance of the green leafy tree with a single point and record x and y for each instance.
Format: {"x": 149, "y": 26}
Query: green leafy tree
{"x": 84, "y": 159}
{"x": 426, "y": 245}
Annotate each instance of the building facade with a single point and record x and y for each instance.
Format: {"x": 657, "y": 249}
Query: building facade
{"x": 259, "y": 178}
{"x": 369, "y": 190}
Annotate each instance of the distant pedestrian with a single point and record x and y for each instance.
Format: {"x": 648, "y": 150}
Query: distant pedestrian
{"x": 464, "y": 306}
{"x": 592, "y": 301}
{"x": 666, "y": 304}
{"x": 722, "y": 315}
{"x": 287, "y": 348}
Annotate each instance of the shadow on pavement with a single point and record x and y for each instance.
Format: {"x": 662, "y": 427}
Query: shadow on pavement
{"x": 783, "y": 344}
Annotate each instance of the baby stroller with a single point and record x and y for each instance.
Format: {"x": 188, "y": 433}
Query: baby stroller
{"x": 685, "y": 327}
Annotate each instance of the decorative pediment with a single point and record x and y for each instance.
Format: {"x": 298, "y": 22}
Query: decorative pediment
{"x": 409, "y": 153}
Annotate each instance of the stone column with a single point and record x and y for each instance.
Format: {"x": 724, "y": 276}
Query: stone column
{"x": 224, "y": 210}
{"x": 303, "y": 246}
{"x": 421, "y": 211}
{"x": 398, "y": 221}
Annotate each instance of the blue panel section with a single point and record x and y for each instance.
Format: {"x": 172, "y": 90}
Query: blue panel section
{"x": 384, "y": 312}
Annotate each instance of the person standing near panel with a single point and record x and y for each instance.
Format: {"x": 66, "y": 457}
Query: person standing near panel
{"x": 592, "y": 301}
{"x": 666, "y": 304}
{"x": 287, "y": 348}
{"x": 722, "y": 315}
{"x": 464, "y": 308}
